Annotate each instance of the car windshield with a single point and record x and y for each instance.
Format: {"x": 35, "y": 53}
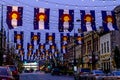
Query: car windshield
{"x": 85, "y": 70}
{"x": 117, "y": 73}
{"x": 12, "y": 68}
{"x": 3, "y": 71}
{"x": 98, "y": 72}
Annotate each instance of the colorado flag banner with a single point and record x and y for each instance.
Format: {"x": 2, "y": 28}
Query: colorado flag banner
{"x": 14, "y": 16}
{"x": 63, "y": 48}
{"x": 18, "y": 37}
{"x": 41, "y": 47}
{"x": 66, "y": 20}
{"x": 109, "y": 21}
{"x": 88, "y": 20}
{"x": 19, "y": 46}
{"x": 35, "y": 38}
{"x": 78, "y": 37}
{"x": 29, "y": 53}
{"x": 65, "y": 38}
{"x": 52, "y": 48}
{"x": 30, "y": 46}
{"x": 41, "y": 18}
{"x": 50, "y": 38}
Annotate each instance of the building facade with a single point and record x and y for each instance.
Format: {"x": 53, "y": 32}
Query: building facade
{"x": 90, "y": 50}
{"x": 106, "y": 51}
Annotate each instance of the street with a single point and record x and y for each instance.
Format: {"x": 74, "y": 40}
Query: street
{"x": 43, "y": 76}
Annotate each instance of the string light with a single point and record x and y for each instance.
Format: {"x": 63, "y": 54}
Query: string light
{"x": 37, "y": 0}
{"x": 103, "y": 1}
{"x": 56, "y": 5}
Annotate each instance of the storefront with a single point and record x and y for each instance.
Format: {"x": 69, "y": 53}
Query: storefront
{"x": 30, "y": 65}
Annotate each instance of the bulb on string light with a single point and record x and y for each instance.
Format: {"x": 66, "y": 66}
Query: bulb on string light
{"x": 66, "y": 6}
{"x": 100, "y": 17}
{"x": 18, "y": 3}
{"x": 95, "y": 7}
{"x": 114, "y": 6}
{"x": 86, "y": 7}
{"x": 76, "y": 7}
{"x": 46, "y": 2}
{"x": 114, "y": 1}
{"x": 37, "y": 0}
{"x": 103, "y": 1}
{"x": 56, "y": 5}
{"x": 105, "y": 7}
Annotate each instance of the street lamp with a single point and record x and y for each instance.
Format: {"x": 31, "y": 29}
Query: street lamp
{"x": 1, "y": 38}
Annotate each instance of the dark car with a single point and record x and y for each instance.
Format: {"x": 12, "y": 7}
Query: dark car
{"x": 83, "y": 74}
{"x": 14, "y": 71}
{"x": 5, "y": 74}
{"x": 55, "y": 71}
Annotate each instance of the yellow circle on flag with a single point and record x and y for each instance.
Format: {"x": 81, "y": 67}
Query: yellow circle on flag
{"x": 30, "y": 46}
{"x": 53, "y": 47}
{"x": 66, "y": 19}
{"x": 79, "y": 38}
{"x": 41, "y": 47}
{"x": 14, "y": 16}
{"x": 63, "y": 47}
{"x": 18, "y": 37}
{"x": 35, "y": 38}
{"x": 50, "y": 38}
{"x": 41, "y": 17}
{"x": 88, "y": 19}
{"x": 109, "y": 19}
{"x": 19, "y": 46}
{"x": 64, "y": 38}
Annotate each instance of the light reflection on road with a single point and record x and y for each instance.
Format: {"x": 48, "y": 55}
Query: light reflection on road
{"x": 43, "y": 76}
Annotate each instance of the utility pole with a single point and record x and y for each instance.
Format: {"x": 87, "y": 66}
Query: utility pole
{"x": 74, "y": 53}
{"x": 1, "y": 38}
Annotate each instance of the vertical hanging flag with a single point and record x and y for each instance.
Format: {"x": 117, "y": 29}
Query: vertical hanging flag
{"x": 41, "y": 18}
{"x": 30, "y": 46}
{"x": 41, "y": 47}
{"x": 109, "y": 21}
{"x": 19, "y": 46}
{"x": 66, "y": 20}
{"x": 30, "y": 52}
{"x": 14, "y": 16}
{"x": 18, "y": 37}
{"x": 35, "y": 38}
{"x": 50, "y": 38}
{"x": 65, "y": 38}
{"x": 21, "y": 52}
{"x": 52, "y": 48}
{"x": 88, "y": 20}
{"x": 78, "y": 37}
{"x": 63, "y": 48}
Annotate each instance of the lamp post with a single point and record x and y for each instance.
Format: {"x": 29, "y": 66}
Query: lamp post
{"x": 74, "y": 54}
{"x": 1, "y": 38}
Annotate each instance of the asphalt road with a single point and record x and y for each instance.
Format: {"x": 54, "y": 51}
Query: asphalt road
{"x": 43, "y": 76}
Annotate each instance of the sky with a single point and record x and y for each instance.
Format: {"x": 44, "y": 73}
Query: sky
{"x": 54, "y": 5}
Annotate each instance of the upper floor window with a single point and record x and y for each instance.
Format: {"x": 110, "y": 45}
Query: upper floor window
{"x": 104, "y": 47}
{"x": 107, "y": 46}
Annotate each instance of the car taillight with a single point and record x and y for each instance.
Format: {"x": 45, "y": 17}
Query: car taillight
{"x": 97, "y": 75}
{"x": 6, "y": 79}
{"x": 15, "y": 72}
{"x": 81, "y": 73}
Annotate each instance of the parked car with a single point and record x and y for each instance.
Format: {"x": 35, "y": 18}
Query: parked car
{"x": 5, "y": 74}
{"x": 55, "y": 71}
{"x": 97, "y": 74}
{"x": 14, "y": 71}
{"x": 83, "y": 74}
